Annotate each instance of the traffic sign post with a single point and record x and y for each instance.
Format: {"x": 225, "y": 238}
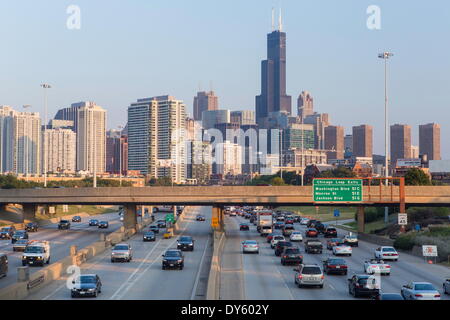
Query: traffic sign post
{"x": 170, "y": 218}
{"x": 402, "y": 219}
{"x": 338, "y": 190}
{"x": 336, "y": 213}
{"x": 430, "y": 251}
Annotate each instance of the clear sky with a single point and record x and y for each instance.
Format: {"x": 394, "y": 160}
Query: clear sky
{"x": 132, "y": 49}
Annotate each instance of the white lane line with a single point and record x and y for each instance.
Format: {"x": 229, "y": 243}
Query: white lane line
{"x": 197, "y": 278}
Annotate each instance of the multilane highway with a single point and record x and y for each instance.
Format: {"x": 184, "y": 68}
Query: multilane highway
{"x": 143, "y": 278}
{"x": 262, "y": 277}
{"x": 80, "y": 234}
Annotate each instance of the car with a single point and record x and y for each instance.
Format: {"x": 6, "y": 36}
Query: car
{"x": 342, "y": 249}
{"x": 20, "y": 245}
{"x": 280, "y": 247}
{"x": 297, "y": 219}
{"x": 93, "y": 223}
{"x": 86, "y": 285}
{"x": 31, "y": 227}
{"x": 19, "y": 234}
{"x": 270, "y": 236}
{"x": 363, "y": 285}
{"x": 304, "y": 221}
{"x": 296, "y": 236}
{"x": 278, "y": 225}
{"x": 320, "y": 227}
{"x": 173, "y": 258}
{"x": 121, "y": 218}
{"x": 37, "y": 252}
{"x": 289, "y": 220}
{"x": 311, "y": 233}
{"x": 311, "y": 223}
{"x": 388, "y": 296}
{"x": 309, "y": 275}
{"x": 232, "y": 213}
{"x": 313, "y": 246}
{"x": 335, "y": 265}
{"x": 244, "y": 227}
{"x": 333, "y": 242}
{"x": 153, "y": 228}
{"x": 265, "y": 230}
{"x": 386, "y": 253}
{"x": 7, "y": 232}
{"x": 420, "y": 291}
{"x": 330, "y": 232}
{"x": 103, "y": 225}
{"x": 275, "y": 240}
{"x": 351, "y": 240}
{"x": 121, "y": 252}
{"x": 446, "y": 286}
{"x": 148, "y": 236}
{"x": 185, "y": 243}
{"x": 291, "y": 255}
{"x": 3, "y": 265}
{"x": 377, "y": 266}
{"x": 76, "y": 219}
{"x": 250, "y": 246}
{"x": 280, "y": 218}
{"x": 200, "y": 217}
{"x": 161, "y": 224}
{"x": 64, "y": 224}
{"x": 288, "y": 229}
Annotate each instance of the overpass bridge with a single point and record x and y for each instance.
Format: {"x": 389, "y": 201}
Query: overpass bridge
{"x": 218, "y": 197}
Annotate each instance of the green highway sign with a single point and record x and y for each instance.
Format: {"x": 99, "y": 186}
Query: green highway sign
{"x": 170, "y": 218}
{"x": 338, "y": 190}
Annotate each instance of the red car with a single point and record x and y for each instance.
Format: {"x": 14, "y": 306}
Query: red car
{"x": 312, "y": 233}
{"x": 244, "y": 226}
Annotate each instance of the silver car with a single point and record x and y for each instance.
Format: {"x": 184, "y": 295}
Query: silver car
{"x": 420, "y": 291}
{"x": 309, "y": 275}
{"x": 121, "y": 252}
{"x": 250, "y": 246}
{"x": 446, "y": 286}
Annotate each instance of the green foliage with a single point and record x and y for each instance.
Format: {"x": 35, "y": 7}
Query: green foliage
{"x": 372, "y": 214}
{"x": 423, "y": 213}
{"x": 277, "y": 181}
{"x": 404, "y": 242}
{"x": 416, "y": 177}
{"x": 11, "y": 182}
{"x": 339, "y": 172}
{"x": 160, "y": 182}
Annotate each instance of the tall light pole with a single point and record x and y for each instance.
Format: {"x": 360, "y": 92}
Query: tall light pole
{"x": 303, "y": 152}
{"x": 120, "y": 154}
{"x": 94, "y": 158}
{"x": 45, "y": 86}
{"x": 25, "y": 106}
{"x": 385, "y": 56}
{"x": 281, "y": 154}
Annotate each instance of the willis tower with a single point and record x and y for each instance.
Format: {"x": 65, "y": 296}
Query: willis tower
{"x": 273, "y": 97}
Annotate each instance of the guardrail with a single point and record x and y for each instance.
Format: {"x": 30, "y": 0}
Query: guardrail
{"x": 213, "y": 288}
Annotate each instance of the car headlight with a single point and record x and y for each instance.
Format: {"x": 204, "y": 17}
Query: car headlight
{"x": 39, "y": 258}
{"x": 113, "y": 253}
{"x": 179, "y": 261}
{"x": 91, "y": 289}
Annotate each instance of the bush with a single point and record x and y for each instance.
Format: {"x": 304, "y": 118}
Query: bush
{"x": 372, "y": 214}
{"x": 442, "y": 243}
{"x": 404, "y": 242}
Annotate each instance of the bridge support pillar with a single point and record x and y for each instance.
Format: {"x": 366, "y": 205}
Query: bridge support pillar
{"x": 129, "y": 216}
{"x": 217, "y": 221}
{"x": 29, "y": 212}
{"x": 361, "y": 223}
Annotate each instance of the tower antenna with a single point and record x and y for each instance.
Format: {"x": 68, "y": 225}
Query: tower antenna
{"x": 280, "y": 23}
{"x": 273, "y": 19}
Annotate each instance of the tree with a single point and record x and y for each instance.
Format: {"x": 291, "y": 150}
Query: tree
{"x": 339, "y": 172}
{"x": 416, "y": 177}
{"x": 277, "y": 181}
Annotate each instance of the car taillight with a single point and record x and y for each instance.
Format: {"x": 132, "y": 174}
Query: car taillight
{"x": 322, "y": 277}
{"x": 285, "y": 257}
{"x": 345, "y": 267}
{"x": 388, "y": 267}
{"x": 245, "y": 246}
{"x": 437, "y": 295}
{"x": 300, "y": 276}
{"x": 332, "y": 266}
{"x": 418, "y": 295}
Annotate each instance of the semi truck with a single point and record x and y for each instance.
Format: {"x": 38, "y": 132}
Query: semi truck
{"x": 264, "y": 222}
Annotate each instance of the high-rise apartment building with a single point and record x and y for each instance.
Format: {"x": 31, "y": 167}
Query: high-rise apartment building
{"x": 27, "y": 143}
{"x": 71, "y": 113}
{"x": 334, "y": 142}
{"x": 228, "y": 157}
{"x": 298, "y": 136}
{"x": 430, "y": 140}
{"x": 400, "y": 143}
{"x": 204, "y": 101}
{"x": 363, "y": 141}
{"x": 213, "y": 117}
{"x": 243, "y": 118}
{"x": 59, "y": 150}
{"x": 348, "y": 144}
{"x": 7, "y": 140}
{"x": 305, "y": 105}
{"x": 320, "y": 122}
{"x": 199, "y": 166}
{"x": 116, "y": 152}
{"x": 91, "y": 138}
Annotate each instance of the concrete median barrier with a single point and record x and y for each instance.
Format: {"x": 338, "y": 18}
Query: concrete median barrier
{"x": 213, "y": 288}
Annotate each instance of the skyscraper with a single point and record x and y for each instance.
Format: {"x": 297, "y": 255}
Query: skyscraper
{"x": 430, "y": 140}
{"x": 59, "y": 148}
{"x": 7, "y": 139}
{"x": 116, "y": 152}
{"x": 305, "y": 105}
{"x": 27, "y": 143}
{"x": 204, "y": 101}
{"x": 334, "y": 142}
{"x": 273, "y": 95}
{"x": 363, "y": 141}
{"x": 400, "y": 143}
{"x": 320, "y": 122}
{"x": 245, "y": 117}
{"x": 213, "y": 117}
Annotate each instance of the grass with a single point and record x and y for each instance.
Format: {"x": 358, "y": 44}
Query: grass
{"x": 369, "y": 227}
{"x": 323, "y": 214}
{"x": 75, "y": 209}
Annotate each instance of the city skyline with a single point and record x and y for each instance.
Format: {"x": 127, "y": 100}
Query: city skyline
{"x": 343, "y": 92}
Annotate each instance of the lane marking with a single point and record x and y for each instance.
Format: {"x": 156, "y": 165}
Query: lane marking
{"x": 197, "y": 278}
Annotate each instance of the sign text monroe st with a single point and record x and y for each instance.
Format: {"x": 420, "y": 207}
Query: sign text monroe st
{"x": 338, "y": 190}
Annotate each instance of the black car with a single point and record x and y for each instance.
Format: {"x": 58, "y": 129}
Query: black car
{"x": 291, "y": 255}
{"x": 64, "y": 224}
{"x": 173, "y": 258}
{"x": 161, "y": 224}
{"x": 149, "y": 236}
{"x": 153, "y": 228}
{"x": 335, "y": 265}
{"x": 279, "y": 225}
{"x": 185, "y": 243}
{"x": 363, "y": 285}
{"x": 7, "y": 232}
{"x": 200, "y": 218}
{"x": 330, "y": 232}
{"x": 313, "y": 246}
{"x": 93, "y": 223}
{"x": 320, "y": 227}
{"x": 244, "y": 227}
{"x": 103, "y": 225}
{"x": 76, "y": 219}
{"x": 3, "y": 265}
{"x": 18, "y": 235}
{"x": 297, "y": 219}
{"x": 86, "y": 285}
{"x": 280, "y": 247}
{"x": 31, "y": 227}
{"x": 311, "y": 223}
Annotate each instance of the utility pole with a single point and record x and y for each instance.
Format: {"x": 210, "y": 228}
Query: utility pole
{"x": 45, "y": 86}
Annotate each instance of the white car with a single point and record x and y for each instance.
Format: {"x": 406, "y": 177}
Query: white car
{"x": 446, "y": 286}
{"x": 342, "y": 249}
{"x": 296, "y": 236}
{"x": 250, "y": 246}
{"x": 275, "y": 240}
{"x": 386, "y": 253}
{"x": 304, "y": 221}
{"x": 232, "y": 213}
{"x": 420, "y": 291}
{"x": 377, "y": 266}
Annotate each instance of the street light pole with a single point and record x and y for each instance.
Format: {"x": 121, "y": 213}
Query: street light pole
{"x": 25, "y": 106}
{"x": 120, "y": 155}
{"x": 281, "y": 153}
{"x": 303, "y": 152}
{"x": 45, "y": 86}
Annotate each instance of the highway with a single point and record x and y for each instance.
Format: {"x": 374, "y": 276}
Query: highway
{"x": 143, "y": 278}
{"x": 80, "y": 234}
{"x": 262, "y": 277}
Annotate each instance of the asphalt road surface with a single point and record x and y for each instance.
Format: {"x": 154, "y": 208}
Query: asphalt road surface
{"x": 143, "y": 277}
{"x": 262, "y": 277}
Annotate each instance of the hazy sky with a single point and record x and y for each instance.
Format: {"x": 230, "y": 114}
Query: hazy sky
{"x": 132, "y": 49}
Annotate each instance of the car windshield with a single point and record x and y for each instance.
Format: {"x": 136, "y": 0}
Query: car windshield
{"x": 391, "y": 296}
{"x": 22, "y": 241}
{"x": 149, "y": 233}
{"x": 103, "y": 222}
{"x": 34, "y": 249}
{"x": 19, "y": 233}
{"x": 172, "y": 254}
{"x": 351, "y": 237}
{"x": 250, "y": 242}
{"x": 285, "y": 244}
{"x": 424, "y": 286}
{"x": 278, "y": 238}
{"x": 64, "y": 221}
{"x": 295, "y": 233}
{"x": 185, "y": 239}
{"x": 122, "y": 247}
{"x": 331, "y": 229}
{"x": 292, "y": 251}
{"x": 388, "y": 250}
{"x": 336, "y": 261}
{"x": 5, "y": 229}
{"x": 94, "y": 220}
{"x": 311, "y": 270}
{"x": 86, "y": 279}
